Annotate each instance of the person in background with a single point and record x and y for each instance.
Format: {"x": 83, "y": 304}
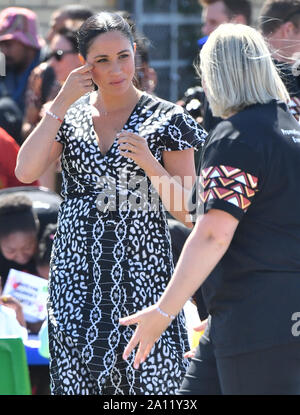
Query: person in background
{"x": 63, "y": 58}
{"x": 64, "y": 54}
{"x": 279, "y": 22}
{"x": 19, "y": 226}
{"x": 11, "y": 119}
{"x": 21, "y": 45}
{"x": 44, "y": 250}
{"x": 69, "y": 12}
{"x": 145, "y": 75}
{"x": 215, "y": 12}
{"x": 8, "y": 157}
{"x": 43, "y": 85}
{"x": 46, "y": 79}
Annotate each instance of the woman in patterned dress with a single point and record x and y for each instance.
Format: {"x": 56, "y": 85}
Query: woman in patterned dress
{"x": 121, "y": 150}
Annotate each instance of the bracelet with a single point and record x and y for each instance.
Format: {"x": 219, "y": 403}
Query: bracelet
{"x": 54, "y": 116}
{"x": 165, "y": 314}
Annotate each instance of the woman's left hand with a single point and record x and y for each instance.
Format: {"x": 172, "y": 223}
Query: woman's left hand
{"x": 136, "y": 148}
{"x": 150, "y": 325}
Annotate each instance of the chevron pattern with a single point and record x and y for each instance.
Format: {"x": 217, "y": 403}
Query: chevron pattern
{"x": 229, "y": 184}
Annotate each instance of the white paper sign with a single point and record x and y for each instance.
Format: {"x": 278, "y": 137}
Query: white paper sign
{"x": 31, "y": 291}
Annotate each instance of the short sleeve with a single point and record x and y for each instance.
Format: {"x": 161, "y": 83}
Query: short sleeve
{"x": 183, "y": 132}
{"x": 230, "y": 177}
{"x": 60, "y": 136}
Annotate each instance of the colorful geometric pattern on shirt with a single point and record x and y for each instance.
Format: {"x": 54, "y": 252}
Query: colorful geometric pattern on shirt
{"x": 294, "y": 107}
{"x": 228, "y": 183}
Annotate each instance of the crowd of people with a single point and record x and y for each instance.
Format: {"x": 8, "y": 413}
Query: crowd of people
{"x": 162, "y": 202}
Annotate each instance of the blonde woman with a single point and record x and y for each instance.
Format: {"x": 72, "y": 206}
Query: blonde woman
{"x": 244, "y": 248}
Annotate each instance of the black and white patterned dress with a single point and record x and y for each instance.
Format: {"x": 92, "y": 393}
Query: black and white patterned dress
{"x": 112, "y": 256}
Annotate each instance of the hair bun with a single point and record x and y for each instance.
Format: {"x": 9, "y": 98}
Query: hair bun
{"x": 16, "y": 203}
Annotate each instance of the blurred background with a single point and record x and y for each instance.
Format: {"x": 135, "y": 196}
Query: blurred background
{"x": 172, "y": 27}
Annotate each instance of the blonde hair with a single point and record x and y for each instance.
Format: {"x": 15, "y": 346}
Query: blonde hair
{"x": 238, "y": 71}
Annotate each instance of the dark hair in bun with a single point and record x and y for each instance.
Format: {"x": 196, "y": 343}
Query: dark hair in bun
{"x": 17, "y": 215}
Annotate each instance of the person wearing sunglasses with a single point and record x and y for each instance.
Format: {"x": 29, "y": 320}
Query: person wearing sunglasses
{"x": 46, "y": 79}
{"x": 64, "y": 55}
{"x": 45, "y": 83}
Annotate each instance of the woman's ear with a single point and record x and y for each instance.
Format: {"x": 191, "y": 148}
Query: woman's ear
{"x": 81, "y": 58}
{"x": 134, "y": 48}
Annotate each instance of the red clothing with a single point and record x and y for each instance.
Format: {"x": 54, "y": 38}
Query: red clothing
{"x": 8, "y": 157}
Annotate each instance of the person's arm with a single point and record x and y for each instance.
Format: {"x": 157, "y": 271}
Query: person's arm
{"x": 40, "y": 150}
{"x": 173, "y": 181}
{"x": 202, "y": 251}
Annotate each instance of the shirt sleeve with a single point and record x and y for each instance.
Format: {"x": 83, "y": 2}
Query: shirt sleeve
{"x": 230, "y": 176}
{"x": 60, "y": 136}
{"x": 183, "y": 132}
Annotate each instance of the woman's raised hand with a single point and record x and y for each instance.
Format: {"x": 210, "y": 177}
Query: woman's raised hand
{"x": 78, "y": 83}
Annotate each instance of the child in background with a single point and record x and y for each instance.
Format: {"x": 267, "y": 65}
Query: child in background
{"x": 44, "y": 250}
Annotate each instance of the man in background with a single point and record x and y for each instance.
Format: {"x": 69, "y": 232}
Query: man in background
{"x": 215, "y": 12}
{"x": 21, "y": 45}
{"x": 73, "y": 12}
{"x": 279, "y": 22}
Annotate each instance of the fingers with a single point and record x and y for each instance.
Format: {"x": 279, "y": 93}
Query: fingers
{"x": 144, "y": 348}
{"x": 190, "y": 354}
{"x": 88, "y": 84}
{"x": 126, "y": 146}
{"x": 85, "y": 68}
{"x": 6, "y": 299}
{"x": 142, "y": 353}
{"x": 202, "y": 326}
{"x": 127, "y": 321}
{"x": 134, "y": 341}
{"x": 128, "y": 137}
{"x": 130, "y": 144}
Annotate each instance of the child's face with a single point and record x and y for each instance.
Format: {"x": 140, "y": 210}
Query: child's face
{"x": 19, "y": 246}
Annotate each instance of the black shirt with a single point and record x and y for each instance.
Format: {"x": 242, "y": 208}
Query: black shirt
{"x": 251, "y": 169}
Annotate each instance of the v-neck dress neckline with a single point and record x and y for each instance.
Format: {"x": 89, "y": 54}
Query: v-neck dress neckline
{"x": 96, "y": 138}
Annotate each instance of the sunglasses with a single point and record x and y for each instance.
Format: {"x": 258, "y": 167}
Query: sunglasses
{"x": 59, "y": 54}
